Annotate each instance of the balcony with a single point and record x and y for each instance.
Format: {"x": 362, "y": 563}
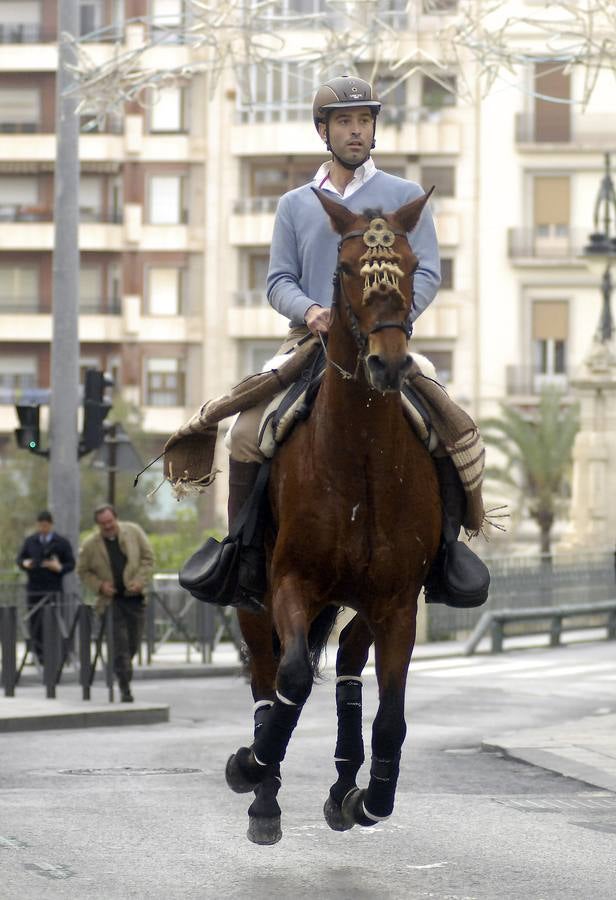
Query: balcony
{"x": 588, "y": 132}
{"x": 524, "y": 381}
{"x": 525, "y": 245}
{"x": 284, "y": 130}
{"x": 26, "y": 33}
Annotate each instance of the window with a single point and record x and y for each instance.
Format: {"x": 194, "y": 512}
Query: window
{"x": 430, "y": 7}
{"x": 442, "y": 177}
{"x": 20, "y": 109}
{"x": 447, "y": 274}
{"x": 19, "y": 198}
{"x": 254, "y": 354}
{"x": 19, "y": 289}
{"x": 90, "y": 293}
{"x": 258, "y": 264}
{"x": 167, "y": 113}
{"x": 164, "y": 382}
{"x": 90, "y": 198}
{"x": 166, "y": 200}
{"x": 20, "y": 23}
{"x": 442, "y": 361}
{"x": 437, "y": 94}
{"x": 550, "y": 329}
{"x": 18, "y": 374}
{"x": 164, "y": 291}
{"x": 278, "y": 92}
{"x": 275, "y": 178}
{"x": 552, "y": 120}
{"x": 551, "y": 206}
{"x": 90, "y": 16}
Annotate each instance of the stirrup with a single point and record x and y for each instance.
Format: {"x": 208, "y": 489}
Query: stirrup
{"x": 458, "y": 577}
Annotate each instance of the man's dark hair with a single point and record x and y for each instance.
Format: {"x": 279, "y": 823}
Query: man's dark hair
{"x": 103, "y": 508}
{"x": 44, "y": 516}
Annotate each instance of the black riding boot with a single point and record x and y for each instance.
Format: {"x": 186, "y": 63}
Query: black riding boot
{"x": 252, "y": 576}
{"x": 458, "y": 577}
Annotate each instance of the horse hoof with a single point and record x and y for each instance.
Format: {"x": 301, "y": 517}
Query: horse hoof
{"x": 353, "y": 809}
{"x": 334, "y": 817}
{"x": 264, "y": 830}
{"x": 235, "y": 772}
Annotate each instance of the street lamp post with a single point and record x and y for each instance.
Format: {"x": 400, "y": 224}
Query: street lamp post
{"x": 592, "y": 517}
{"x": 600, "y": 251}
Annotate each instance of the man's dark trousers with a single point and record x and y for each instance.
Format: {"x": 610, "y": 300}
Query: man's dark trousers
{"x": 128, "y": 619}
{"x": 35, "y": 619}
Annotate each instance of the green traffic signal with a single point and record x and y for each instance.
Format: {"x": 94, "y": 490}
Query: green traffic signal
{"x": 32, "y": 445}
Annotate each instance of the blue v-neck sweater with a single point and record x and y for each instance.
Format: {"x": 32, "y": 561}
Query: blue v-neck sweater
{"x": 304, "y": 246}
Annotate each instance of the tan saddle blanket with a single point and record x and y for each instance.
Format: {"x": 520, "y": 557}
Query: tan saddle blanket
{"x": 189, "y": 452}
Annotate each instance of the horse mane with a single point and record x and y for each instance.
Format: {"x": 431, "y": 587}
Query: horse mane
{"x": 376, "y": 213}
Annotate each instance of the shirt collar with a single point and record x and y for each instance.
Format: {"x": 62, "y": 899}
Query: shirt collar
{"x": 361, "y": 174}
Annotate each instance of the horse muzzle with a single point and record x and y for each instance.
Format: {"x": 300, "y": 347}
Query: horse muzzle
{"x": 385, "y": 373}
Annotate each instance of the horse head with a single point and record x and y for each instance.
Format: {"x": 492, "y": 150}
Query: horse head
{"x": 374, "y": 285}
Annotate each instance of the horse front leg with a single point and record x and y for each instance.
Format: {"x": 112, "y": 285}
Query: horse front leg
{"x": 257, "y": 765}
{"x": 264, "y": 812}
{"x": 353, "y": 648}
{"x": 394, "y": 641}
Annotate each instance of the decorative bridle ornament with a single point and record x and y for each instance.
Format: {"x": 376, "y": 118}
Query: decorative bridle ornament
{"x": 381, "y": 278}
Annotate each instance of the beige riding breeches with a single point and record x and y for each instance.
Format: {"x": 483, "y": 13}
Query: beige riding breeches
{"x": 243, "y": 436}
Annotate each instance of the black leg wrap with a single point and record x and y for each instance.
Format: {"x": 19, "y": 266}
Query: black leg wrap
{"x": 273, "y": 737}
{"x": 350, "y": 744}
{"x": 379, "y": 799}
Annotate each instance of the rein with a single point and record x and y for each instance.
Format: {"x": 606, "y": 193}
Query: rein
{"x": 361, "y": 339}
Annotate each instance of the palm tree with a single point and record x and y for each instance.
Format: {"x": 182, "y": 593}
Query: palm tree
{"x": 537, "y": 447}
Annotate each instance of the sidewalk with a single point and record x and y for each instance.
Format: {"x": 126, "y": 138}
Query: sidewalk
{"x": 584, "y": 749}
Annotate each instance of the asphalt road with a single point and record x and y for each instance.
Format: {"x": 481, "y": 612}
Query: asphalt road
{"x": 143, "y": 811}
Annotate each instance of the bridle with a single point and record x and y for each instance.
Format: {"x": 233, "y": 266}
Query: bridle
{"x": 340, "y": 294}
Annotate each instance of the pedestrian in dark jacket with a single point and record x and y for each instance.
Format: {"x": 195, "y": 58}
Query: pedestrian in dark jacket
{"x": 46, "y": 557}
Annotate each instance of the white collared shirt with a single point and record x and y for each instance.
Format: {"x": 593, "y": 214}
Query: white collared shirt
{"x": 361, "y": 175}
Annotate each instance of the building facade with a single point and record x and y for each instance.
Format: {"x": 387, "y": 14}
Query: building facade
{"x": 177, "y": 200}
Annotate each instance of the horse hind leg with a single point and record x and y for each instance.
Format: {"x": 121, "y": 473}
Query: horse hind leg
{"x": 354, "y": 645}
{"x": 394, "y": 645}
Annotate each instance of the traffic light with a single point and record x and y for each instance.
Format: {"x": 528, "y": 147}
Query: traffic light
{"x": 28, "y": 435}
{"x": 95, "y": 408}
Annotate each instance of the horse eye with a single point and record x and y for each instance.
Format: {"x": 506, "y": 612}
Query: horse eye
{"x": 346, "y": 268}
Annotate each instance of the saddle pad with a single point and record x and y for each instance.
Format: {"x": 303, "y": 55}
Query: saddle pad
{"x": 295, "y": 402}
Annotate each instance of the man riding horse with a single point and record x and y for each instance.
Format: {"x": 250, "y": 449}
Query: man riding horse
{"x": 299, "y": 287}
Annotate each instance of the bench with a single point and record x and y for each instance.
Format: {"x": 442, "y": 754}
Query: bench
{"x": 495, "y": 620}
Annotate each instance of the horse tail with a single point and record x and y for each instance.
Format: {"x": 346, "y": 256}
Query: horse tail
{"x": 318, "y": 636}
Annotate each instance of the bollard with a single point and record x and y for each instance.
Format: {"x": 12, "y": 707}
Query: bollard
{"x": 150, "y": 627}
{"x": 50, "y": 649}
{"x": 110, "y": 650}
{"x": 85, "y": 641}
{"x": 8, "y": 634}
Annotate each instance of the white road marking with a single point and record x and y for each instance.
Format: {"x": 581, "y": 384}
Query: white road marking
{"x": 558, "y": 671}
{"x": 490, "y": 668}
{"x": 437, "y": 865}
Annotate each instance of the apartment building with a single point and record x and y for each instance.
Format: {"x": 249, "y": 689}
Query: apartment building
{"x": 178, "y": 197}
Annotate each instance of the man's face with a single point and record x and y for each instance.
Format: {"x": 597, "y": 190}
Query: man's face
{"x": 107, "y": 524}
{"x": 44, "y": 528}
{"x": 351, "y": 132}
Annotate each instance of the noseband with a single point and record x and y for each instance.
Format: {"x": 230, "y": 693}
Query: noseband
{"x": 377, "y": 235}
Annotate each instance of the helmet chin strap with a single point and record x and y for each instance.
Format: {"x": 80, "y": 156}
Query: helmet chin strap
{"x": 349, "y": 166}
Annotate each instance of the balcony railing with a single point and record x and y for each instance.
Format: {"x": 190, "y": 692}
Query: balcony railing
{"x": 250, "y": 298}
{"x": 16, "y": 212}
{"x": 525, "y": 381}
{"x": 251, "y": 205}
{"x": 19, "y": 305}
{"x": 100, "y": 307}
{"x": 525, "y": 243}
{"x": 20, "y": 127}
{"x": 26, "y": 33}
{"x": 583, "y": 128}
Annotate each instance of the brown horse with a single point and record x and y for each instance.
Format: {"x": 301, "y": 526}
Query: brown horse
{"x": 357, "y": 522}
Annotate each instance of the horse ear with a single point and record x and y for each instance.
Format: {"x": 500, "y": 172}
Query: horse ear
{"x": 408, "y": 216}
{"x": 341, "y": 217}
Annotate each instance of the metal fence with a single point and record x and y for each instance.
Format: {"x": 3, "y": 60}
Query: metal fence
{"x": 531, "y": 582}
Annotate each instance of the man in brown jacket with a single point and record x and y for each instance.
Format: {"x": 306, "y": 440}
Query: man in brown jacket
{"x": 117, "y": 562}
